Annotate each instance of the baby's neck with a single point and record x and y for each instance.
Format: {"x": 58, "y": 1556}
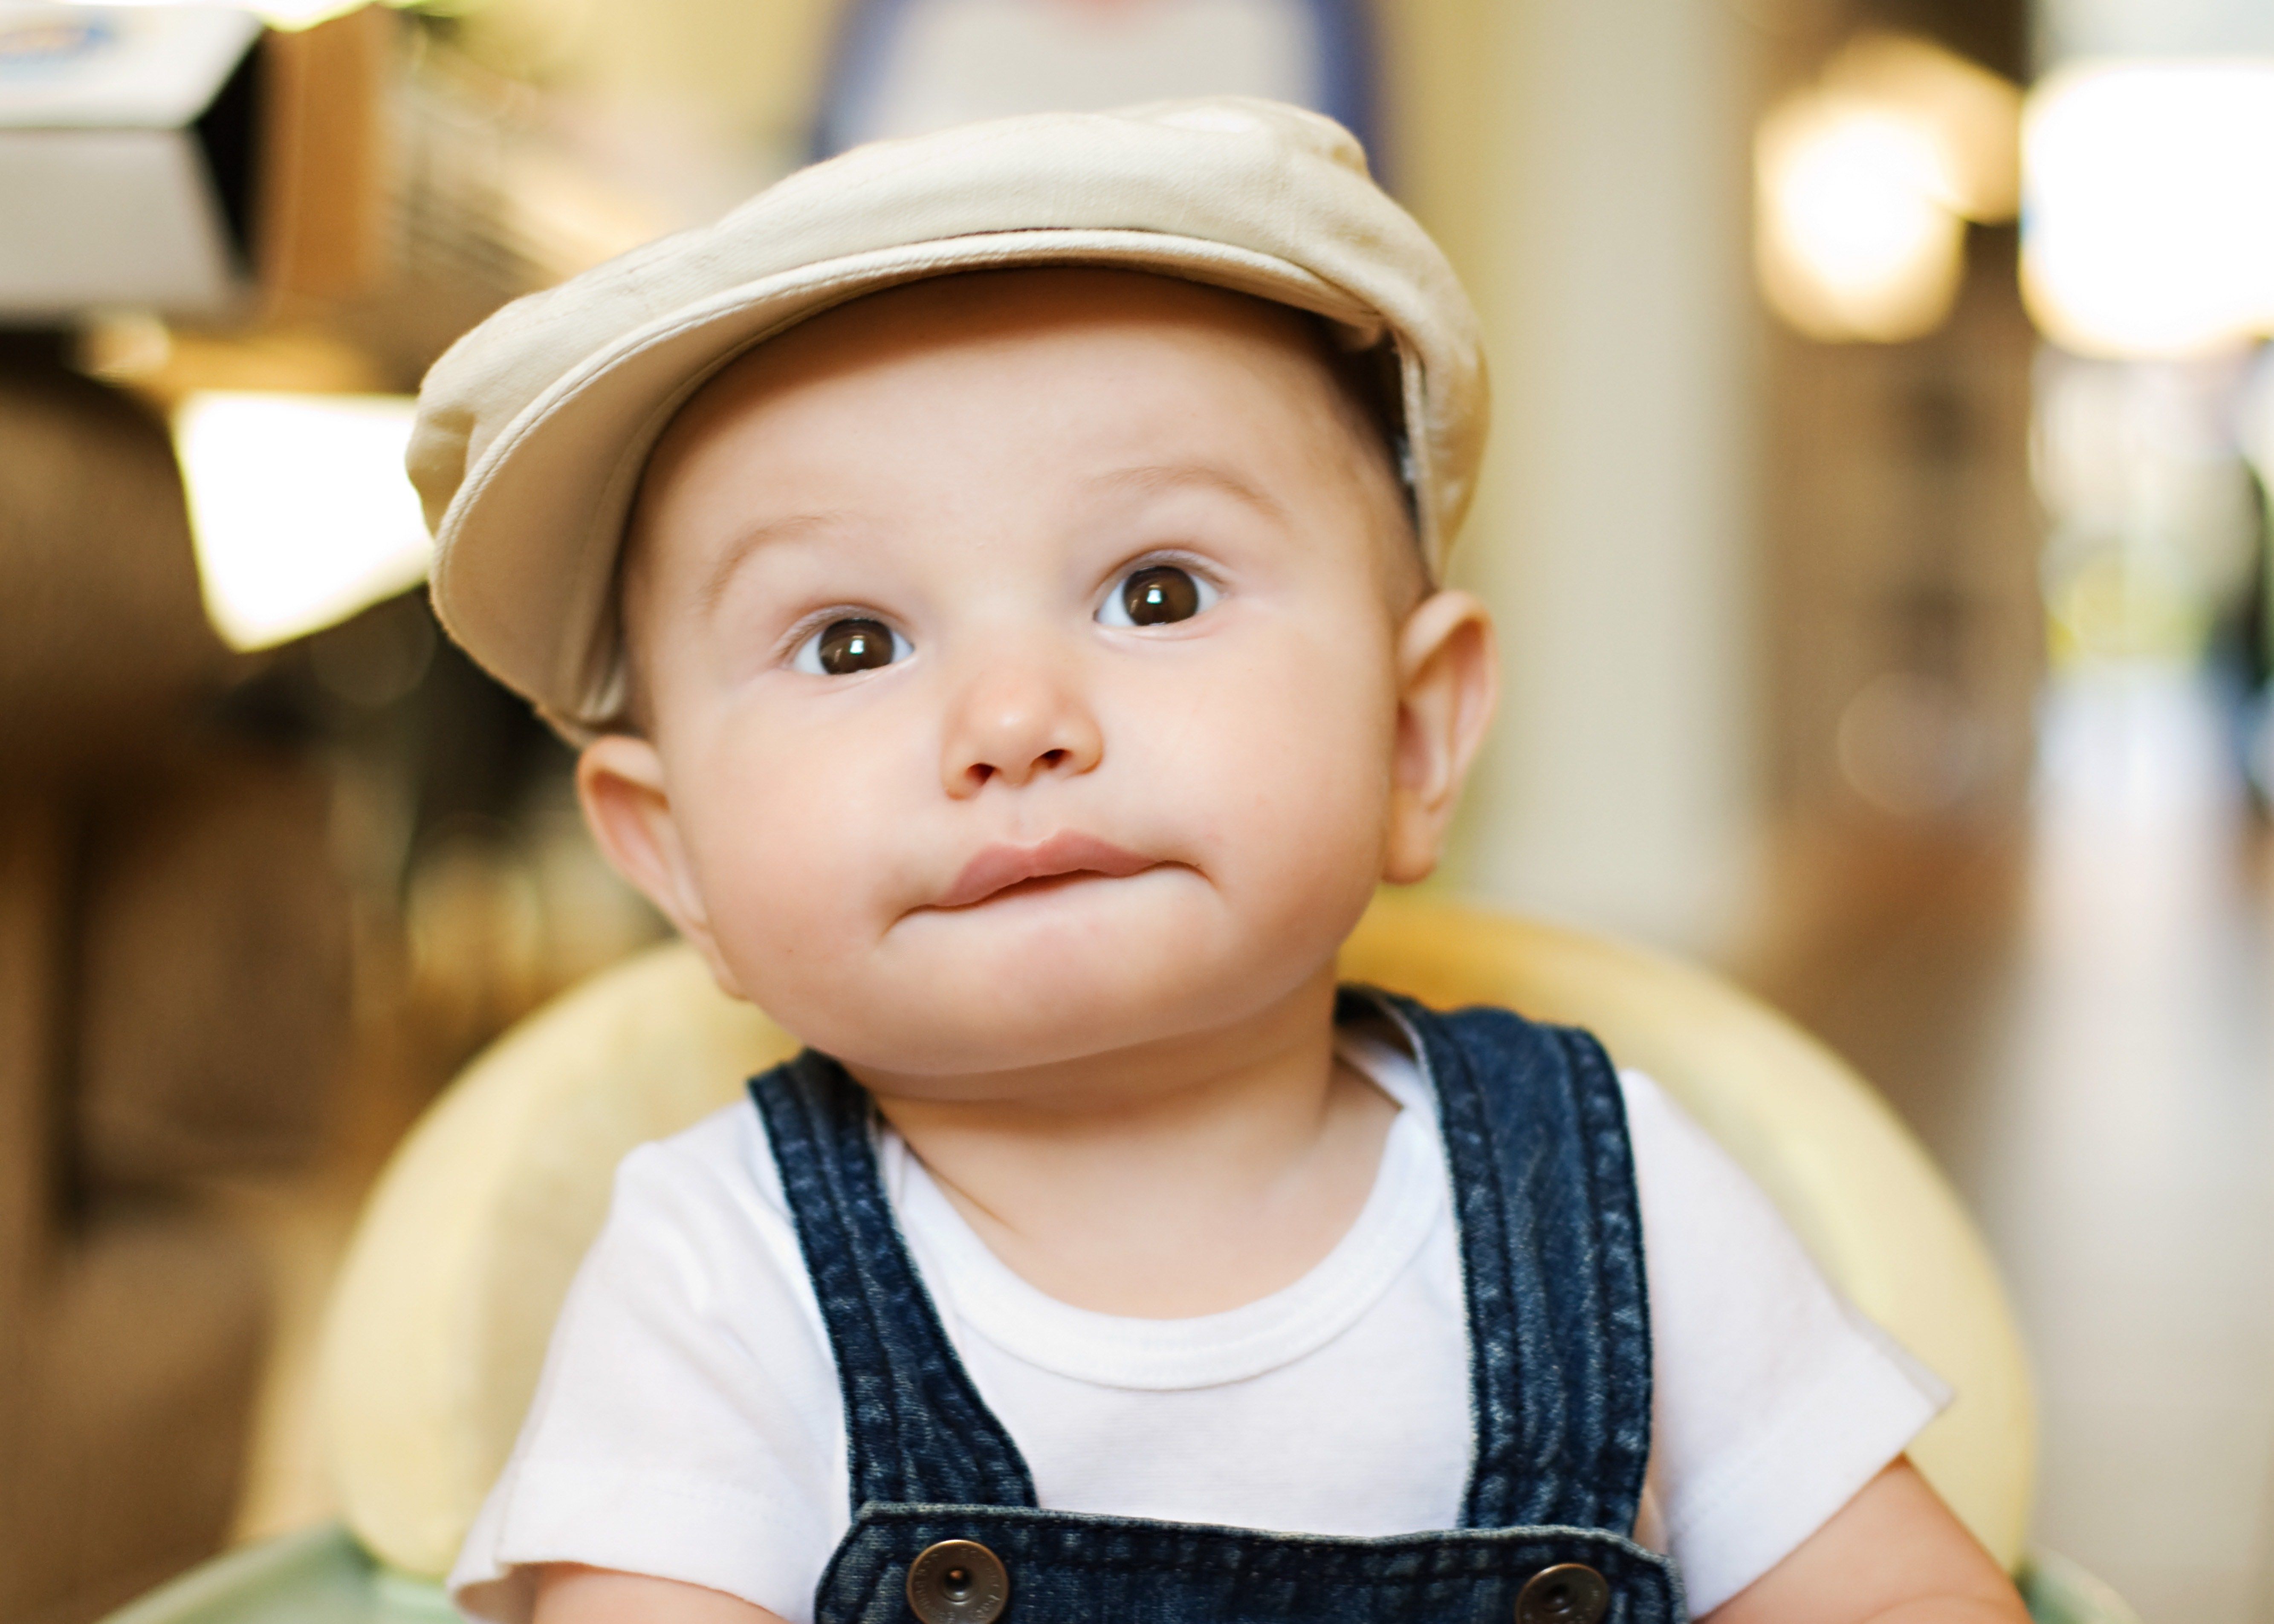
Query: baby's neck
{"x": 1191, "y": 1178}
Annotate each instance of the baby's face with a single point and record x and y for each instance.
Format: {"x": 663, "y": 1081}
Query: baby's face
{"x": 1022, "y": 669}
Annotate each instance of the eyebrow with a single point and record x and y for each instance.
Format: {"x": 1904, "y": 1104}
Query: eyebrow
{"x": 1146, "y": 480}
{"x": 1153, "y": 477}
{"x": 739, "y": 549}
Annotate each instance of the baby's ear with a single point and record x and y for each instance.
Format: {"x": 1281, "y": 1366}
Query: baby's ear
{"x": 1447, "y": 681}
{"x": 620, "y": 782}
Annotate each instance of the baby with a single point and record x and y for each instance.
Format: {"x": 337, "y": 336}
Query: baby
{"x": 994, "y": 580}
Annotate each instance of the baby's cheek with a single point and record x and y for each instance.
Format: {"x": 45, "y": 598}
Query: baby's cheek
{"x": 780, "y": 867}
{"x": 1314, "y": 746}
{"x": 1294, "y": 806}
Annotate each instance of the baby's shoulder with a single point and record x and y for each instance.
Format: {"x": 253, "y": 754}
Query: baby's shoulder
{"x": 1661, "y": 1129}
{"x": 714, "y": 1181}
{"x": 1673, "y": 1151}
{"x": 727, "y": 1146}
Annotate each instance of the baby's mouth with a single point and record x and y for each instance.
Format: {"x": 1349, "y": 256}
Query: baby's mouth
{"x": 1064, "y": 857}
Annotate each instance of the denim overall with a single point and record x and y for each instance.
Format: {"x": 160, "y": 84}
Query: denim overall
{"x": 945, "y": 1528}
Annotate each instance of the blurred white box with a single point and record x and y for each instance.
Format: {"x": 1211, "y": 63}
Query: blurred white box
{"x": 127, "y": 146}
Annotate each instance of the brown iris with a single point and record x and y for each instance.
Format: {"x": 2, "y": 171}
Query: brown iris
{"x": 1159, "y": 595}
{"x": 848, "y": 646}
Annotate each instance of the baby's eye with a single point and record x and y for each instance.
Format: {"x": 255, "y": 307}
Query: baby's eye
{"x": 843, "y": 647}
{"x": 1157, "y": 595}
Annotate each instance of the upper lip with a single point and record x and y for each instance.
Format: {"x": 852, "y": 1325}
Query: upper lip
{"x": 999, "y": 868}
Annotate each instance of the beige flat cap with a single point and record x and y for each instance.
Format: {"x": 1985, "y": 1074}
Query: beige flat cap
{"x": 533, "y": 429}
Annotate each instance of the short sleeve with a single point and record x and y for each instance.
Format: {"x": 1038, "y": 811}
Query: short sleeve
{"x": 1774, "y": 1401}
{"x": 687, "y": 1424}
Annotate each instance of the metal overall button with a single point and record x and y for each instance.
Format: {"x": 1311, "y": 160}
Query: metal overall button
{"x": 958, "y": 1582}
{"x": 1568, "y": 1593}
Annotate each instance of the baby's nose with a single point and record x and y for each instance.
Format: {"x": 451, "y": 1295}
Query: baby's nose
{"x": 1014, "y": 725}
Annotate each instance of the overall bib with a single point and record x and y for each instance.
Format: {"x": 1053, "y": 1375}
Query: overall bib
{"x": 945, "y": 1527}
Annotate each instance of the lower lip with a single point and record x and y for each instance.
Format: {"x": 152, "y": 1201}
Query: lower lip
{"x": 1046, "y": 885}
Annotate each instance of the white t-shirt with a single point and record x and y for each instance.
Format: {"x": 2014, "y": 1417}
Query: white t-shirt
{"x": 688, "y": 1423}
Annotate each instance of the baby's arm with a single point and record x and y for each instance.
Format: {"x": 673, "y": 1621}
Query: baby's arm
{"x": 568, "y": 1593}
{"x": 1893, "y": 1555}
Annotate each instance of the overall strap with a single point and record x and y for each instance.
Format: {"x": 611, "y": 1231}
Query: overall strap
{"x": 916, "y": 1431}
{"x": 1551, "y": 1249}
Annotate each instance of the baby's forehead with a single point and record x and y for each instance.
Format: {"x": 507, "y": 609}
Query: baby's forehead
{"x": 992, "y": 312}
{"x": 800, "y": 408}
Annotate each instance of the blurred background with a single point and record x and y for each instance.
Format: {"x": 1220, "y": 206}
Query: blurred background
{"x": 1877, "y": 521}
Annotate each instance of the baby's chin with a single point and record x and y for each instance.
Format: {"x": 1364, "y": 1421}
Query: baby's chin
{"x": 1053, "y": 1051}
{"x": 957, "y": 999}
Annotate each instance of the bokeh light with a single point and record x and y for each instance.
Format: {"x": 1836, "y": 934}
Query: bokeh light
{"x": 1864, "y": 181}
{"x": 2148, "y": 219}
{"x": 299, "y": 509}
